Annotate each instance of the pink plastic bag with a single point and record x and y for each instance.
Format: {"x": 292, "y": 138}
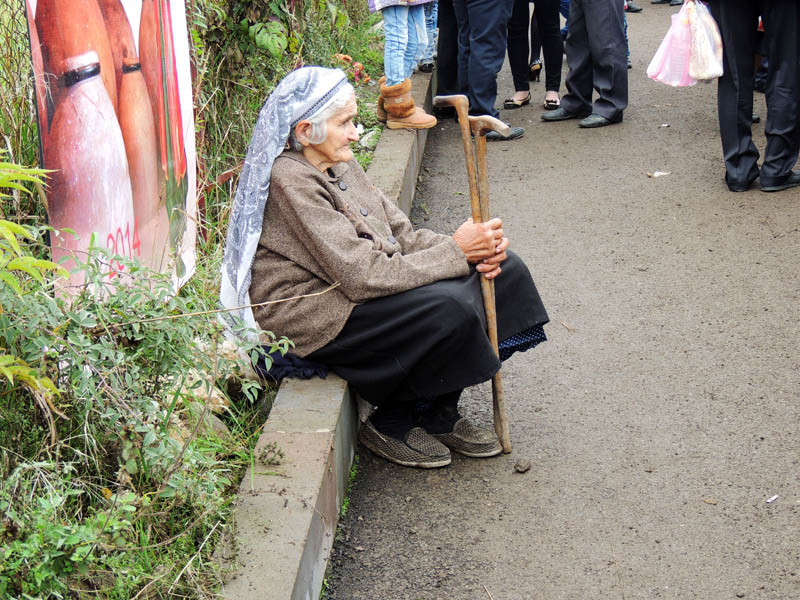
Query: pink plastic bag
{"x": 670, "y": 64}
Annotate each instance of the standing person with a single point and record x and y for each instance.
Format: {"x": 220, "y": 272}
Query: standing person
{"x": 596, "y": 56}
{"x": 431, "y": 25}
{"x": 447, "y": 52}
{"x": 482, "y": 34}
{"x": 405, "y": 42}
{"x": 738, "y": 24}
{"x": 544, "y": 22}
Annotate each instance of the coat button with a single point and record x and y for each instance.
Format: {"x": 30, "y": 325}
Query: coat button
{"x": 342, "y": 185}
{"x": 364, "y": 212}
{"x": 392, "y": 239}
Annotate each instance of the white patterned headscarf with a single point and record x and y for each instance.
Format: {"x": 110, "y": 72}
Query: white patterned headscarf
{"x": 299, "y": 96}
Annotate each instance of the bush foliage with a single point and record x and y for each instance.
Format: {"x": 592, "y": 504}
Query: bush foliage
{"x": 113, "y": 482}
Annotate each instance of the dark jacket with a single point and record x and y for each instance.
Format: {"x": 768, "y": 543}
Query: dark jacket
{"x": 321, "y": 228}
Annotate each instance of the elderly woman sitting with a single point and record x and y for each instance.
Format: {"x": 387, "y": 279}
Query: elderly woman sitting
{"x": 405, "y": 325}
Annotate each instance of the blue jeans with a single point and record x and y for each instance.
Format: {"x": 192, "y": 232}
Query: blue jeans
{"x": 405, "y": 41}
{"x": 431, "y": 18}
{"x": 564, "y": 9}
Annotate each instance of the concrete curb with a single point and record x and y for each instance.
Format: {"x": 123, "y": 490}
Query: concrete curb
{"x": 288, "y": 506}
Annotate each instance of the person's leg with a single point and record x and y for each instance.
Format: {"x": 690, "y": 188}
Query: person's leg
{"x": 578, "y": 100}
{"x": 447, "y": 51}
{"x": 627, "y": 44}
{"x": 518, "y": 48}
{"x": 552, "y": 45}
{"x": 782, "y": 28}
{"x": 488, "y": 30}
{"x": 395, "y": 29}
{"x": 464, "y": 49}
{"x": 417, "y": 38}
{"x": 430, "y": 28}
{"x": 564, "y": 10}
{"x": 536, "y": 39}
{"x": 606, "y": 36}
{"x": 737, "y": 20}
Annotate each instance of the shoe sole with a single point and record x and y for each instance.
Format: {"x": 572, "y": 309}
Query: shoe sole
{"x": 605, "y": 124}
{"x": 393, "y": 125}
{"x": 504, "y": 138}
{"x": 487, "y": 454}
{"x": 572, "y": 116}
{"x": 778, "y": 188}
{"x": 454, "y": 447}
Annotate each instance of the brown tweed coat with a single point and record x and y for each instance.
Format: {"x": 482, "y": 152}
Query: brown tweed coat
{"x": 320, "y": 228}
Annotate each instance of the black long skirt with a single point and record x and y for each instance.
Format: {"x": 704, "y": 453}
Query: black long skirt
{"x": 432, "y": 340}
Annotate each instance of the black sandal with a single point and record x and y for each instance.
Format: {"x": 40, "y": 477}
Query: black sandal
{"x": 513, "y": 103}
{"x": 551, "y": 104}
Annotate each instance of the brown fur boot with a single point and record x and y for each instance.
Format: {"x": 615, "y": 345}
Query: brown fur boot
{"x": 380, "y": 110}
{"x": 400, "y": 109}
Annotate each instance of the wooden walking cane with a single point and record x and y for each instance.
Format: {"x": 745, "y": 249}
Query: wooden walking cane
{"x": 479, "y": 201}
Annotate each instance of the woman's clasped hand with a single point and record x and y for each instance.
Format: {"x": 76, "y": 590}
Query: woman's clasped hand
{"x": 483, "y": 245}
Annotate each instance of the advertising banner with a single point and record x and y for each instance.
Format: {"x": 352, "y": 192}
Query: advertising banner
{"x": 114, "y": 102}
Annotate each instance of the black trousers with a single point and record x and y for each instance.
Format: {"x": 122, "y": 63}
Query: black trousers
{"x": 543, "y": 24}
{"x": 597, "y": 58}
{"x": 738, "y": 21}
{"x": 431, "y": 340}
{"x": 482, "y": 33}
{"x": 447, "y": 51}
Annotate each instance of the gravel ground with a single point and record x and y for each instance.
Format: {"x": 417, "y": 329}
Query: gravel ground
{"x": 661, "y": 415}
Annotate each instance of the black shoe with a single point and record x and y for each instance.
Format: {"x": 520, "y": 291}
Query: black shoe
{"x": 675, "y": 2}
{"x": 659, "y": 1}
{"x": 496, "y": 136}
{"x": 736, "y": 186}
{"x": 562, "y": 114}
{"x": 426, "y": 67}
{"x": 534, "y": 70}
{"x": 792, "y": 180}
{"x": 595, "y": 120}
{"x": 630, "y": 64}
{"x": 756, "y": 118}
{"x": 632, "y": 7}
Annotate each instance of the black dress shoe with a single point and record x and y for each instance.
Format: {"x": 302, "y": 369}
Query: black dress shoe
{"x": 595, "y": 120}
{"x": 736, "y": 186}
{"x": 496, "y": 136}
{"x": 562, "y": 114}
{"x": 792, "y": 180}
{"x": 659, "y": 1}
{"x": 632, "y": 7}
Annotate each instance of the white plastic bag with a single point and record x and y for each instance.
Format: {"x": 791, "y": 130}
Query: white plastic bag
{"x": 692, "y": 49}
{"x": 670, "y": 64}
{"x": 706, "y": 58}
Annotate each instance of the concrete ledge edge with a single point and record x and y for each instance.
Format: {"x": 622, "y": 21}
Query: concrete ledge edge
{"x": 286, "y": 514}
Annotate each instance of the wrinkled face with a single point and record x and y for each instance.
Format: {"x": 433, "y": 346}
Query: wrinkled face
{"x": 341, "y": 133}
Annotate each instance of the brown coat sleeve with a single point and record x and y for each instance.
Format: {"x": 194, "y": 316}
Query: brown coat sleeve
{"x": 363, "y": 268}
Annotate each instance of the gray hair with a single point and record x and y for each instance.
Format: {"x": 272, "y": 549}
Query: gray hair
{"x": 319, "y": 130}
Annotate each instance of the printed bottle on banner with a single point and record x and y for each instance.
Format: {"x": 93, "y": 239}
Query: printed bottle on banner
{"x": 70, "y": 28}
{"x": 139, "y": 133}
{"x": 90, "y": 188}
{"x": 149, "y": 56}
{"x": 38, "y": 77}
{"x": 120, "y": 35}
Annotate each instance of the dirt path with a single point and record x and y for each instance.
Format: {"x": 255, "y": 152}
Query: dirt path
{"x": 663, "y": 412}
